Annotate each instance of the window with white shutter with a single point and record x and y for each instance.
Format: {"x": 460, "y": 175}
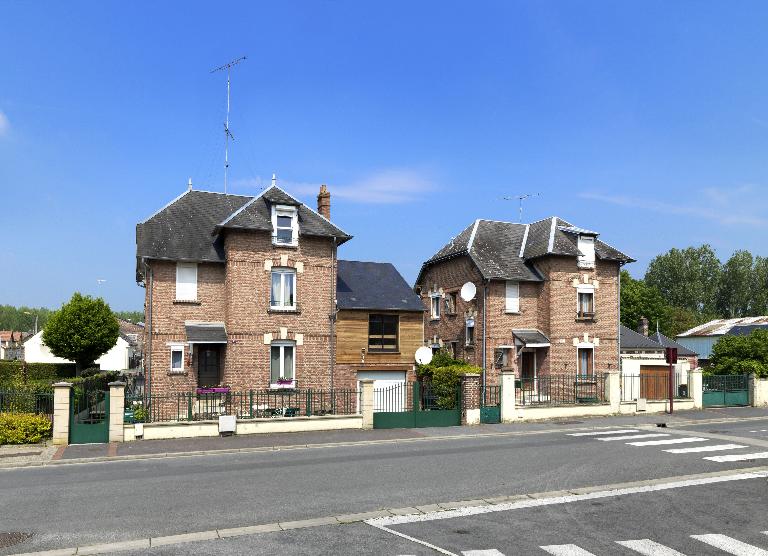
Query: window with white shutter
{"x": 513, "y": 297}
{"x": 186, "y": 281}
{"x": 586, "y": 246}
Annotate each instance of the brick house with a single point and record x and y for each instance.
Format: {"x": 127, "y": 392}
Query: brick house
{"x": 547, "y": 298}
{"x": 241, "y": 292}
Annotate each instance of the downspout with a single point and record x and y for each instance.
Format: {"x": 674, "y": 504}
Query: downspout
{"x": 148, "y": 388}
{"x": 618, "y": 325}
{"x": 485, "y": 318}
{"x": 332, "y": 317}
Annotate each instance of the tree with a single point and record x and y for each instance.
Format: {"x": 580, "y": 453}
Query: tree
{"x": 638, "y": 299}
{"x": 759, "y": 286}
{"x": 82, "y": 330}
{"x": 735, "y": 290}
{"x": 687, "y": 278}
{"x": 681, "y": 320}
{"x": 131, "y": 316}
{"x": 741, "y": 354}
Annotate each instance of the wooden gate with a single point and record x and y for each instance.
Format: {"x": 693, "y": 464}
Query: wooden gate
{"x": 654, "y": 382}
{"x": 416, "y": 406}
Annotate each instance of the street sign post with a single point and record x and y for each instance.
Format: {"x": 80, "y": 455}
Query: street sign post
{"x": 670, "y": 355}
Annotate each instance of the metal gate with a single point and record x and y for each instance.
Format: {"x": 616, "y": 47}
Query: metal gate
{"x": 490, "y": 405}
{"x": 416, "y": 405}
{"x": 89, "y": 412}
{"x": 725, "y": 390}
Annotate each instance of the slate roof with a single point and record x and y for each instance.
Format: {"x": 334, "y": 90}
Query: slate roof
{"x": 530, "y": 336}
{"x": 369, "y": 285}
{"x": 190, "y": 227}
{"x": 746, "y": 329}
{"x": 629, "y": 339}
{"x": 668, "y": 342}
{"x": 206, "y": 332}
{"x": 506, "y": 251}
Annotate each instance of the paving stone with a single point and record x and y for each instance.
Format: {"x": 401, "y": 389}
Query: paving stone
{"x": 320, "y": 521}
{"x": 186, "y": 537}
{"x": 249, "y": 530}
{"x": 138, "y": 544}
{"x": 404, "y": 511}
{"x": 462, "y": 504}
{"x": 352, "y": 518}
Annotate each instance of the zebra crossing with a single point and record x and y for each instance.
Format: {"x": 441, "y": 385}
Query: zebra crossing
{"x": 647, "y": 547}
{"x": 642, "y": 438}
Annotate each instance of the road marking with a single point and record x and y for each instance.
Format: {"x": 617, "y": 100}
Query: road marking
{"x": 715, "y": 448}
{"x": 412, "y": 539}
{"x": 731, "y": 545}
{"x": 599, "y": 433}
{"x": 634, "y": 436}
{"x": 668, "y": 441}
{"x": 566, "y": 499}
{"x": 491, "y": 552}
{"x": 647, "y": 547}
{"x": 566, "y": 550}
{"x": 738, "y": 457}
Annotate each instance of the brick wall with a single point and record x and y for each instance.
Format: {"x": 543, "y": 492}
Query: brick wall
{"x": 238, "y": 294}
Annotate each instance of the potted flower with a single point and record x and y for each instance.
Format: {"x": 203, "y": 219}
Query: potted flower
{"x": 284, "y": 383}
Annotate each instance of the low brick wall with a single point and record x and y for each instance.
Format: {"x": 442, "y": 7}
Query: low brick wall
{"x": 198, "y": 429}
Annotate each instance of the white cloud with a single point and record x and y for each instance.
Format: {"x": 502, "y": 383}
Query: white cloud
{"x": 385, "y": 187}
{"x": 728, "y": 206}
{"x": 5, "y": 125}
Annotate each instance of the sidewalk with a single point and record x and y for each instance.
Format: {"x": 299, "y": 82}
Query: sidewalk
{"x": 40, "y": 455}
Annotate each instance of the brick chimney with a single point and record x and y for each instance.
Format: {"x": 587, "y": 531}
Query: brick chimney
{"x": 324, "y": 202}
{"x": 642, "y": 326}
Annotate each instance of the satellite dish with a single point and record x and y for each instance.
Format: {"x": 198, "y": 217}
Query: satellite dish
{"x": 468, "y": 291}
{"x": 423, "y": 355}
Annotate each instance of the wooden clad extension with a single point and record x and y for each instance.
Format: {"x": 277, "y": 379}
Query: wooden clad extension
{"x": 352, "y": 338}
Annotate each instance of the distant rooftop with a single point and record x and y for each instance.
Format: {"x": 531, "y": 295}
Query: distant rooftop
{"x": 720, "y": 327}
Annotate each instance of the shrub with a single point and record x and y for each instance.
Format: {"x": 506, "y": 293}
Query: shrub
{"x": 19, "y": 372}
{"x": 444, "y": 375}
{"x": 23, "y": 428}
{"x": 741, "y": 354}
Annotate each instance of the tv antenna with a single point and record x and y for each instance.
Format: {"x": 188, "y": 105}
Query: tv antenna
{"x": 227, "y": 134}
{"x": 520, "y": 199}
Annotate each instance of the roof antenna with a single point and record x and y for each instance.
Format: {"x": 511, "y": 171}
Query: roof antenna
{"x": 520, "y": 199}
{"x": 227, "y": 134}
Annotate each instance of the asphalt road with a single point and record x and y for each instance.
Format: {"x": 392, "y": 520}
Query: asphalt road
{"x": 71, "y": 505}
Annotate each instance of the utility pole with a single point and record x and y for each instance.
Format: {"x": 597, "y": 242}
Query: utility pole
{"x": 520, "y": 199}
{"x": 227, "y": 134}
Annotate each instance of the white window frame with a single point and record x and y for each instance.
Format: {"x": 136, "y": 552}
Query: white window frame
{"x": 292, "y": 213}
{"x": 586, "y": 246}
{"x": 434, "y": 309}
{"x": 451, "y": 300}
{"x": 512, "y": 302}
{"x": 282, "y": 345}
{"x": 469, "y": 323}
{"x": 585, "y": 289}
{"x": 282, "y": 272}
{"x": 175, "y": 348}
{"x": 186, "y": 291}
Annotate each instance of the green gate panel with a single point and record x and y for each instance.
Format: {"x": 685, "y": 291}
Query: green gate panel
{"x": 438, "y": 418}
{"x": 713, "y": 398}
{"x": 88, "y": 424}
{"x": 726, "y": 390}
{"x": 393, "y": 420}
{"x": 737, "y": 397}
{"x": 490, "y": 415}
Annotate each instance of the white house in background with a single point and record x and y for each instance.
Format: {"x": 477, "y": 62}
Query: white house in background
{"x": 116, "y": 359}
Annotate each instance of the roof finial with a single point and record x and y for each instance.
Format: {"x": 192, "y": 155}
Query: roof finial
{"x": 274, "y": 180}
{"x": 189, "y": 184}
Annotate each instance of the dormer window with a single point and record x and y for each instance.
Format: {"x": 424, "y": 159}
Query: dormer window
{"x": 285, "y": 225}
{"x": 586, "y": 246}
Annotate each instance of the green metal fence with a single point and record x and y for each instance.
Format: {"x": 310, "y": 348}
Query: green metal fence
{"x": 249, "y": 404}
{"x": 561, "y": 389}
{"x": 725, "y": 390}
{"x": 19, "y": 401}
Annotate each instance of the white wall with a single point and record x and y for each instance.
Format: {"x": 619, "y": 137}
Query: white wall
{"x": 116, "y": 359}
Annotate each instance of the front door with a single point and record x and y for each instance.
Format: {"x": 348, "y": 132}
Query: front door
{"x": 208, "y": 366}
{"x": 528, "y": 369}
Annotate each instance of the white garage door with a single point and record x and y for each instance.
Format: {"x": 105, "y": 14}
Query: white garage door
{"x": 388, "y": 389}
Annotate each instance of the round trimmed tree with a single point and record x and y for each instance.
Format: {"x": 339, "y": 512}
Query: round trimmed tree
{"x": 82, "y": 330}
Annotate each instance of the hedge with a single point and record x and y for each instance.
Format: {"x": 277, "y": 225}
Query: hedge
{"x": 16, "y": 372}
{"x": 23, "y": 428}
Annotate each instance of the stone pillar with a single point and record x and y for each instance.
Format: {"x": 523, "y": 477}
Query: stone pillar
{"x": 613, "y": 390}
{"x": 366, "y": 403}
{"x": 758, "y": 391}
{"x": 61, "y": 393}
{"x": 696, "y": 388}
{"x": 508, "y": 396}
{"x": 470, "y": 399}
{"x": 116, "y": 411}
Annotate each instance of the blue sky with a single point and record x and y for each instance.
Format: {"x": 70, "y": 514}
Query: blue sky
{"x": 647, "y": 121}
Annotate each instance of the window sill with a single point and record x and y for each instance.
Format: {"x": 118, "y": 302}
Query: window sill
{"x": 586, "y": 265}
{"x": 291, "y": 386}
{"x": 513, "y": 312}
{"x": 451, "y": 314}
{"x": 286, "y": 245}
{"x": 178, "y": 373}
{"x": 469, "y": 346}
{"x": 434, "y": 319}
{"x": 586, "y": 318}
{"x": 186, "y": 302}
{"x": 382, "y": 352}
{"x": 286, "y": 311}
